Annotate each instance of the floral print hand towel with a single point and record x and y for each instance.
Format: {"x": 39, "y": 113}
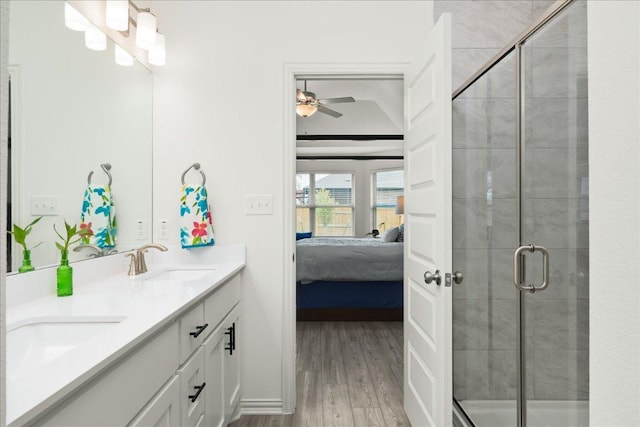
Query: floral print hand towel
{"x": 196, "y": 225}
{"x": 99, "y": 217}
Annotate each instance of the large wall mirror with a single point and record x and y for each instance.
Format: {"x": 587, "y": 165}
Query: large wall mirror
{"x": 72, "y": 110}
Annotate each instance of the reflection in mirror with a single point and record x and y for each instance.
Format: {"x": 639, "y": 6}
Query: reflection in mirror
{"x": 72, "y": 110}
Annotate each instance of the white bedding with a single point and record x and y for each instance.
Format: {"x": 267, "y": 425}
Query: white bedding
{"x": 348, "y": 259}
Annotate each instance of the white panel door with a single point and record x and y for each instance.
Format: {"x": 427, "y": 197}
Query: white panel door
{"x": 427, "y": 307}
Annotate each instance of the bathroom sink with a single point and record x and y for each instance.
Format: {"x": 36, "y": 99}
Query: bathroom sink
{"x": 181, "y": 274}
{"x": 36, "y": 341}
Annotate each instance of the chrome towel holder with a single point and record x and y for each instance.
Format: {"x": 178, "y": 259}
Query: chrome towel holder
{"x": 195, "y": 166}
{"x": 106, "y": 167}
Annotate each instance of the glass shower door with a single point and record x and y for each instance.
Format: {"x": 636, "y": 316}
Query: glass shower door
{"x": 555, "y": 215}
{"x": 485, "y": 231}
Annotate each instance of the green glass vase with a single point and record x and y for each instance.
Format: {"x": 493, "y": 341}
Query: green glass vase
{"x": 65, "y": 276}
{"x": 26, "y": 262}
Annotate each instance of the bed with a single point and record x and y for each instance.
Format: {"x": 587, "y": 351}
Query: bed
{"x": 349, "y": 279}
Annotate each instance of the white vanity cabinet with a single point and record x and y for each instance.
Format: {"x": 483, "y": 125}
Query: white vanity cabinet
{"x": 187, "y": 374}
{"x": 117, "y": 395}
{"x": 164, "y": 408}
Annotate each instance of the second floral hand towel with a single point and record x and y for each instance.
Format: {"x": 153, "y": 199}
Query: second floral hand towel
{"x": 99, "y": 217}
{"x": 196, "y": 225}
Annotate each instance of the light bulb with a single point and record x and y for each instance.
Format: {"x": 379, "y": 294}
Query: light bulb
{"x": 117, "y": 14}
{"x": 158, "y": 53}
{"x": 122, "y": 56}
{"x": 73, "y": 19}
{"x": 146, "y": 32}
{"x": 95, "y": 39}
{"x": 306, "y": 110}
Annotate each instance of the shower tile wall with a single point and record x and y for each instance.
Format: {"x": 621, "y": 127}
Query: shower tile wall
{"x": 484, "y": 235}
{"x": 556, "y": 207}
{"x": 482, "y": 27}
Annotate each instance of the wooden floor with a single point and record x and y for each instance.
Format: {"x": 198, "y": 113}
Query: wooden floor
{"x": 348, "y": 374}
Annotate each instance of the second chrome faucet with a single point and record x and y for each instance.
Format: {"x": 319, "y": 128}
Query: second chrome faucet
{"x": 138, "y": 264}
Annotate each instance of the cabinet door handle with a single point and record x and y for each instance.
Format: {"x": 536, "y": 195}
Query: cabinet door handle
{"x": 231, "y": 331}
{"x": 198, "y": 388}
{"x": 199, "y": 330}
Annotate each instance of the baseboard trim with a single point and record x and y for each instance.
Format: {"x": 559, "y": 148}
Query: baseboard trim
{"x": 261, "y": 406}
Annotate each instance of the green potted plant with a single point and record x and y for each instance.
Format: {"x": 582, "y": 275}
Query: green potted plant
{"x": 65, "y": 271}
{"x": 20, "y": 236}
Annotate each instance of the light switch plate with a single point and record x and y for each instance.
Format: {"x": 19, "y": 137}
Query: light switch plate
{"x": 44, "y": 205}
{"x": 259, "y": 204}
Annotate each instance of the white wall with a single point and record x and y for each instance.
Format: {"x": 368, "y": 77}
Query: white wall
{"x": 219, "y": 101}
{"x": 614, "y": 153}
{"x": 362, "y": 170}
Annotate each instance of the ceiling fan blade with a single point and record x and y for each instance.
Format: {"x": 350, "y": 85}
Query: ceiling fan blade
{"x": 329, "y": 111}
{"x": 336, "y": 100}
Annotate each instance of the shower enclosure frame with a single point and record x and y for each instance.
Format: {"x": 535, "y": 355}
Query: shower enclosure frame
{"x": 516, "y": 45}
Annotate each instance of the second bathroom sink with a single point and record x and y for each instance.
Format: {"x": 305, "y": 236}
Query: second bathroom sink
{"x": 39, "y": 340}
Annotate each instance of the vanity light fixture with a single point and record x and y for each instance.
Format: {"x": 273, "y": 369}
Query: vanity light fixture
{"x": 122, "y": 56}
{"x": 146, "y": 30}
{"x": 95, "y": 39}
{"x": 117, "y": 14}
{"x": 117, "y": 18}
{"x": 73, "y": 19}
{"x": 158, "y": 53}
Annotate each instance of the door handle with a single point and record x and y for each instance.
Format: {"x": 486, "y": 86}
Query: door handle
{"x": 432, "y": 277}
{"x": 518, "y": 276}
{"x": 456, "y": 277}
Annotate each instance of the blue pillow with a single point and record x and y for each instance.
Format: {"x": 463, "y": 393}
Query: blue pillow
{"x": 304, "y": 235}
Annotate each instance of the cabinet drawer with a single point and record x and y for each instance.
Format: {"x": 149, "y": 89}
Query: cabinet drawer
{"x": 193, "y": 330}
{"x": 117, "y": 395}
{"x": 219, "y": 303}
{"x": 164, "y": 408}
{"x": 192, "y": 389}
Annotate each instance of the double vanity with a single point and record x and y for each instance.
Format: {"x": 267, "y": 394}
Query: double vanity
{"x": 150, "y": 349}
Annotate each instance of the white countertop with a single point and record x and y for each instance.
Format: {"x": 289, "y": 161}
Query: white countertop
{"x": 147, "y": 306}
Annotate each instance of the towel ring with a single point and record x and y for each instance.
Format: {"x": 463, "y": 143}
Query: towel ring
{"x": 106, "y": 167}
{"x": 195, "y": 166}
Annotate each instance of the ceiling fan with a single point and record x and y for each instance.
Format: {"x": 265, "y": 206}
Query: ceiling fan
{"x": 307, "y": 103}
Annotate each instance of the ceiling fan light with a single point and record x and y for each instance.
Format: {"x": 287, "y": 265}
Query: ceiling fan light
{"x": 306, "y": 110}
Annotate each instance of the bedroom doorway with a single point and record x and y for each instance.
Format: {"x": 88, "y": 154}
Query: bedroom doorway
{"x": 348, "y": 294}
{"x": 349, "y": 181}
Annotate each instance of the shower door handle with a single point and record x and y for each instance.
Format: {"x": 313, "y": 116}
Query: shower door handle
{"x": 518, "y": 261}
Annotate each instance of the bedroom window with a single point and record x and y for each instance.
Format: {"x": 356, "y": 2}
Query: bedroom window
{"x": 387, "y": 186}
{"x": 324, "y": 203}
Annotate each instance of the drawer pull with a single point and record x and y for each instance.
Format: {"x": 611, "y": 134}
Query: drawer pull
{"x": 198, "y": 388}
{"x": 199, "y": 330}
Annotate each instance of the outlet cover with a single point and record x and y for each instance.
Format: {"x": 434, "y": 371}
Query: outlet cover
{"x": 259, "y": 204}
{"x": 44, "y": 205}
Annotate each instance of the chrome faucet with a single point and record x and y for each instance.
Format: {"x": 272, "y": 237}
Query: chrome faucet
{"x": 96, "y": 249}
{"x": 138, "y": 264}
